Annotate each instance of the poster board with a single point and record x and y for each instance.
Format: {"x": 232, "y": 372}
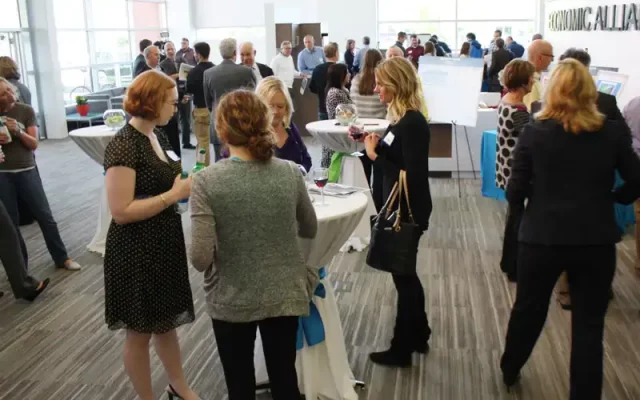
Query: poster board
{"x": 451, "y": 88}
{"x": 611, "y": 83}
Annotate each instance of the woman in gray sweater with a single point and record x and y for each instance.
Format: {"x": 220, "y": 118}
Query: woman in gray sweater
{"x": 247, "y": 213}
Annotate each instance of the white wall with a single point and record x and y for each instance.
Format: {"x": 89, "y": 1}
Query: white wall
{"x": 179, "y": 21}
{"x": 607, "y": 48}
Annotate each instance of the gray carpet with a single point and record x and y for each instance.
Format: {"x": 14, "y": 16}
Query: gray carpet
{"x": 60, "y": 348}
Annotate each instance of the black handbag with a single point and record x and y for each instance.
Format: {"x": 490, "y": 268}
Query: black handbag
{"x": 394, "y": 243}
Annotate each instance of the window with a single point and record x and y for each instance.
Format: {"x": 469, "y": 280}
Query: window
{"x": 10, "y": 15}
{"x": 72, "y": 49}
{"x": 417, "y": 10}
{"x": 495, "y": 9}
{"x": 98, "y": 40}
{"x": 69, "y": 14}
{"x": 452, "y": 20}
{"x": 109, "y": 14}
{"x": 145, "y": 15}
{"x": 111, "y": 46}
{"x": 389, "y": 31}
{"x": 255, "y": 35}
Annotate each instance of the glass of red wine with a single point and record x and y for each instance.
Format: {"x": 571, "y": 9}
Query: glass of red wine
{"x": 320, "y": 178}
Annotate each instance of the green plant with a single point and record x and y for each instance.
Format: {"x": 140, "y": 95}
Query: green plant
{"x": 81, "y": 100}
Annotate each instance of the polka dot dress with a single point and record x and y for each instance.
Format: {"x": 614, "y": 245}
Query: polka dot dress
{"x": 146, "y": 276}
{"x": 511, "y": 120}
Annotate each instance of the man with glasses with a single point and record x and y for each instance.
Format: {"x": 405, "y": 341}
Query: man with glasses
{"x": 540, "y": 55}
{"x": 283, "y": 66}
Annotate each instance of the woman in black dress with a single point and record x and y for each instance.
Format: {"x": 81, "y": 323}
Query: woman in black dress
{"x": 147, "y": 289}
{"x": 405, "y": 146}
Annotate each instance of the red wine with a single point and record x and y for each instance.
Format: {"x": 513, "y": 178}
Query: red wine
{"x": 321, "y": 182}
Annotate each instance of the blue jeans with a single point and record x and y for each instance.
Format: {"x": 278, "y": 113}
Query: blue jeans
{"x": 28, "y": 185}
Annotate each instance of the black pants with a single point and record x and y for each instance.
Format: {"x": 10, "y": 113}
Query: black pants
{"x": 184, "y": 114}
{"x": 172, "y": 132}
{"x": 509, "y": 262}
{"x": 236, "y": 342}
{"x": 12, "y": 258}
{"x": 590, "y": 270}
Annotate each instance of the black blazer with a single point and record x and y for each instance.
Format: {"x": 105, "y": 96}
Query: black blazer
{"x": 608, "y": 105}
{"x": 265, "y": 70}
{"x": 139, "y": 65}
{"x": 568, "y": 180}
{"x": 499, "y": 59}
{"x": 409, "y": 151}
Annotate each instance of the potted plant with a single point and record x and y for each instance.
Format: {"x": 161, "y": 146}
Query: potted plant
{"x": 82, "y": 105}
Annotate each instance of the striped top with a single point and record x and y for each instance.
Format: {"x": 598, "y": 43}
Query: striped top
{"x": 367, "y": 106}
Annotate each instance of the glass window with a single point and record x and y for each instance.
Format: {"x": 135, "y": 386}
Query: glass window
{"x": 496, "y": 9}
{"x": 111, "y": 46}
{"x": 145, "y": 15}
{"x": 72, "y": 49}
{"x": 10, "y": 15}
{"x": 69, "y": 14}
{"x": 74, "y": 82}
{"x": 109, "y": 14}
{"x": 520, "y": 31}
{"x": 416, "y": 10}
{"x": 111, "y": 76}
{"x": 214, "y": 36}
{"x": 138, "y": 36}
{"x": 446, "y": 31}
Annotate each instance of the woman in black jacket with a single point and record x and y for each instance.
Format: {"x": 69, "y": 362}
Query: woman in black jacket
{"x": 405, "y": 146}
{"x": 564, "y": 166}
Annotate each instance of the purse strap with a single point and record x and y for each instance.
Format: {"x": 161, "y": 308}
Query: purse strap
{"x": 406, "y": 192}
{"x": 391, "y": 200}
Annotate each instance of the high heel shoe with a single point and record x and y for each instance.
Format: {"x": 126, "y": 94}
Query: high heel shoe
{"x": 173, "y": 395}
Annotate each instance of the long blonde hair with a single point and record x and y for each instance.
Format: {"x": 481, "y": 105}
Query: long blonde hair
{"x": 571, "y": 98}
{"x": 399, "y": 76}
{"x": 271, "y": 85}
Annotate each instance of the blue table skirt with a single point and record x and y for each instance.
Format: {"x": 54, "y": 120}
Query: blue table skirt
{"x": 624, "y": 214}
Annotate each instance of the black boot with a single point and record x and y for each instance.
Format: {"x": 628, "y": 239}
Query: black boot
{"x": 392, "y": 358}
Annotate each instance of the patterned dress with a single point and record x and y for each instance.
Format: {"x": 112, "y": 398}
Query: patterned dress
{"x": 146, "y": 277}
{"x": 511, "y": 120}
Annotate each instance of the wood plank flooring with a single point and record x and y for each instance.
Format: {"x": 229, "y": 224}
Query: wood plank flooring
{"x": 60, "y": 348}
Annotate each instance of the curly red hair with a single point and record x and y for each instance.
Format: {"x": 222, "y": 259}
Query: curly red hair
{"x": 146, "y": 95}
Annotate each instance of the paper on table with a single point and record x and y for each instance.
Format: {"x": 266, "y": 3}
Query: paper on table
{"x": 335, "y": 189}
{"x": 303, "y": 85}
{"x": 184, "y": 71}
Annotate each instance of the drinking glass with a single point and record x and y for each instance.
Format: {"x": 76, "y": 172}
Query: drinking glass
{"x": 321, "y": 177}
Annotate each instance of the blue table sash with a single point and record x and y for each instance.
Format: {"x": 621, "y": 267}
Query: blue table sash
{"x": 311, "y": 328}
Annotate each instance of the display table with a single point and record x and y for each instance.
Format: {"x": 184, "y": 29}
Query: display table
{"x": 624, "y": 214}
{"x": 93, "y": 141}
{"x": 323, "y": 369}
{"x": 336, "y": 138}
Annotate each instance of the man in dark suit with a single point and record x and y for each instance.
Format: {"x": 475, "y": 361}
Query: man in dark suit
{"x": 607, "y": 104}
{"x": 140, "y": 63}
{"x": 318, "y": 83}
{"x": 222, "y": 79}
{"x": 248, "y": 58}
{"x": 499, "y": 59}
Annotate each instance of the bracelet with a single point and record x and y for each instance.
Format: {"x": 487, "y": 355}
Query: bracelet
{"x": 164, "y": 201}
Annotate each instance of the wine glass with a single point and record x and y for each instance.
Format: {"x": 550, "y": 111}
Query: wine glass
{"x": 320, "y": 178}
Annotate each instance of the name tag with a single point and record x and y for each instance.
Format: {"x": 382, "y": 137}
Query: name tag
{"x": 389, "y": 138}
{"x": 172, "y": 155}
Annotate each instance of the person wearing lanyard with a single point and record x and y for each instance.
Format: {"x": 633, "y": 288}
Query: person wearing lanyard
{"x": 310, "y": 57}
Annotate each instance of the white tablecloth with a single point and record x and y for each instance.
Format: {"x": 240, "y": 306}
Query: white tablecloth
{"x": 337, "y": 139}
{"x": 93, "y": 141}
{"x": 323, "y": 369}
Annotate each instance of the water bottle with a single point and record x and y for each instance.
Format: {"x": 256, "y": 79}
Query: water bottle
{"x": 4, "y": 131}
{"x": 183, "y": 204}
{"x": 200, "y": 161}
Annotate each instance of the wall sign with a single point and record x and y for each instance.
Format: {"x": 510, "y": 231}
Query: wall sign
{"x": 604, "y": 18}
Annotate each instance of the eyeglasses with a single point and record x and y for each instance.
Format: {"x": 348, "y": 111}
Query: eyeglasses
{"x": 173, "y": 103}
{"x": 549, "y": 55}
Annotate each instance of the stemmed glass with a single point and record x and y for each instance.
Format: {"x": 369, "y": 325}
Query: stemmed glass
{"x": 320, "y": 178}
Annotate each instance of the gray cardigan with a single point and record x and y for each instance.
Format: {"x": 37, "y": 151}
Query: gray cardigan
{"x": 246, "y": 219}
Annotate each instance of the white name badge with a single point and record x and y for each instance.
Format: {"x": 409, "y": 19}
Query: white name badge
{"x": 172, "y": 155}
{"x": 389, "y": 138}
